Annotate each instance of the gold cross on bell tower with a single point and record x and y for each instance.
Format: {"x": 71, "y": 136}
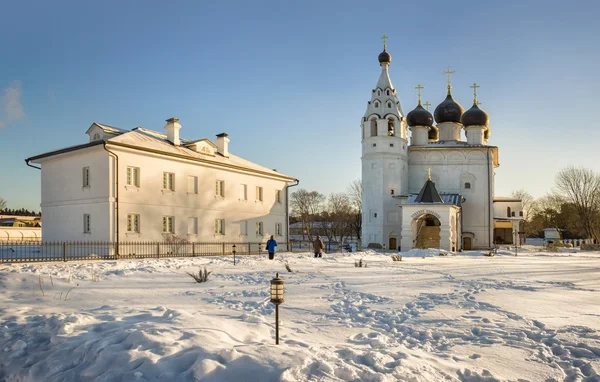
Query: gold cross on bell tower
{"x": 449, "y": 72}
{"x": 427, "y": 104}
{"x": 419, "y": 87}
{"x": 474, "y": 87}
{"x": 384, "y": 38}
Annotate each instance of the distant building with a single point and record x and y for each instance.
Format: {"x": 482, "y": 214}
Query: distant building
{"x": 436, "y": 190}
{"x": 142, "y": 185}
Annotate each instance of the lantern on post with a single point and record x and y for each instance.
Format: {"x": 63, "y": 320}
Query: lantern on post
{"x": 259, "y": 249}
{"x": 233, "y": 251}
{"x": 277, "y": 299}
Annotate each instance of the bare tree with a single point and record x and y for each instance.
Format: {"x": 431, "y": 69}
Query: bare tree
{"x": 581, "y": 187}
{"x": 339, "y": 217}
{"x": 354, "y": 193}
{"x": 306, "y": 206}
{"x": 2, "y": 204}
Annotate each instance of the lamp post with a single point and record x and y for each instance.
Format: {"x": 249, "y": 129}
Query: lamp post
{"x": 233, "y": 254}
{"x": 259, "y": 249}
{"x": 277, "y": 299}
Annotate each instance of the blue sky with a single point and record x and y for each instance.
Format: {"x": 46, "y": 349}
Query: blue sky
{"x": 289, "y": 81}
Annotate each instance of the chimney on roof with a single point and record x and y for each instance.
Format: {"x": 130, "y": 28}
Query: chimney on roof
{"x": 223, "y": 144}
{"x": 172, "y": 128}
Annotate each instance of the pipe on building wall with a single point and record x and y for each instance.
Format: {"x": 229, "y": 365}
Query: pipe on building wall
{"x": 490, "y": 201}
{"x": 116, "y": 196}
{"x": 287, "y": 211}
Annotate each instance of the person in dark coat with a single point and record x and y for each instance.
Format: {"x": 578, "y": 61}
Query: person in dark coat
{"x": 271, "y": 244}
{"x": 318, "y": 247}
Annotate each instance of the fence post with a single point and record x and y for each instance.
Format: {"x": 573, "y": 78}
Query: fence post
{"x": 158, "y": 250}
{"x": 249, "y": 249}
{"x": 223, "y": 249}
{"x": 193, "y": 249}
{"x": 64, "y": 251}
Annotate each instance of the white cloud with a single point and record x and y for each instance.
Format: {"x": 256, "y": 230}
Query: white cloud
{"x": 10, "y": 104}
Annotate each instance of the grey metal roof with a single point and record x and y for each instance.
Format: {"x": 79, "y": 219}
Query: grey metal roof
{"x": 454, "y": 199}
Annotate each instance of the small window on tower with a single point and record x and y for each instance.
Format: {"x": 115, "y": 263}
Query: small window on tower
{"x": 392, "y": 191}
{"x": 374, "y": 144}
{"x": 391, "y": 145}
{"x": 376, "y": 104}
{"x": 373, "y": 127}
{"x": 390, "y": 127}
{"x": 375, "y": 215}
{"x": 389, "y": 105}
{"x": 468, "y": 186}
{"x": 387, "y": 92}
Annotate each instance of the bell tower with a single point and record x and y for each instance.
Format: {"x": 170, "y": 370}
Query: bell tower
{"x": 384, "y": 161}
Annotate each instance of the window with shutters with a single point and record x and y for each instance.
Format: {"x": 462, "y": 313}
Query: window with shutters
{"x": 168, "y": 181}
{"x": 278, "y": 229}
{"x": 86, "y": 177}
{"x": 168, "y": 224}
{"x": 259, "y": 229}
{"x": 278, "y": 196}
{"x": 243, "y": 192}
{"x": 133, "y": 223}
{"x": 220, "y": 188}
{"x": 133, "y": 176}
{"x": 87, "y": 223}
{"x": 219, "y": 226}
{"x": 192, "y": 226}
{"x": 192, "y": 184}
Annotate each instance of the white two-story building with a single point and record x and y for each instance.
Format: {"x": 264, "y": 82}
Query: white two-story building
{"x": 142, "y": 185}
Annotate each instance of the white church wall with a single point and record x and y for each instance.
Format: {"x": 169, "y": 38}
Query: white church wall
{"x": 450, "y": 170}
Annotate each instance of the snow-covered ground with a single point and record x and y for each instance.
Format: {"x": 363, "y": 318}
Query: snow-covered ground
{"x": 467, "y": 317}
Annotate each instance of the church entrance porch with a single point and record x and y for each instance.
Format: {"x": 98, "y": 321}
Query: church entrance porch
{"x": 427, "y": 232}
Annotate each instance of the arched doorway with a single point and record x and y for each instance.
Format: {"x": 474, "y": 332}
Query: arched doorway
{"x": 427, "y": 232}
{"x": 467, "y": 243}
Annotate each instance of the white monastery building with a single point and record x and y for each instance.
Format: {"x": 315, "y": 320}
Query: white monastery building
{"x": 142, "y": 185}
{"x": 434, "y": 190}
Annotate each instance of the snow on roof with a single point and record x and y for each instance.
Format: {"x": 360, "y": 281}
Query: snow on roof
{"x": 152, "y": 140}
{"x": 448, "y": 198}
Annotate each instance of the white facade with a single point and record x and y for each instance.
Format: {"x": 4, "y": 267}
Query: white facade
{"x": 459, "y": 161}
{"x": 139, "y": 186}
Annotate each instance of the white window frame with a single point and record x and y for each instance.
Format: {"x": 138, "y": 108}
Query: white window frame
{"x": 168, "y": 181}
{"x": 192, "y": 225}
{"x": 278, "y": 229}
{"x": 260, "y": 229}
{"x": 193, "y": 185}
{"x": 133, "y": 176}
{"x": 220, "y": 188}
{"x": 87, "y": 223}
{"x": 168, "y": 224}
{"x": 219, "y": 226}
{"x": 278, "y": 196}
{"x": 133, "y": 223}
{"x": 259, "y": 194}
{"x": 243, "y": 191}
{"x": 86, "y": 177}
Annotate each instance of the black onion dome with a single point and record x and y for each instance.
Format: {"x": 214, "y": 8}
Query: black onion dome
{"x": 384, "y": 57}
{"x": 448, "y": 111}
{"x": 475, "y": 117}
{"x": 419, "y": 117}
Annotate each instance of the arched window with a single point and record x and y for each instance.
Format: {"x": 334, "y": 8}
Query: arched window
{"x": 390, "y": 127}
{"x": 389, "y": 105}
{"x": 467, "y": 186}
{"x": 387, "y": 92}
{"x": 376, "y": 104}
{"x": 373, "y": 127}
{"x": 378, "y": 92}
{"x": 508, "y": 211}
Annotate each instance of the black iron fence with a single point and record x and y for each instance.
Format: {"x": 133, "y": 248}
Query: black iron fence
{"x": 28, "y": 251}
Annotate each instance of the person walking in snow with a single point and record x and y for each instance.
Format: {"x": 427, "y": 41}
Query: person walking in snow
{"x": 318, "y": 247}
{"x": 271, "y": 244}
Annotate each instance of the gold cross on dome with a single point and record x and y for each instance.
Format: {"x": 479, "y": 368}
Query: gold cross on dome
{"x": 474, "y": 87}
{"x": 419, "y": 87}
{"x": 429, "y": 173}
{"x": 449, "y": 72}
{"x": 427, "y": 104}
{"x": 384, "y": 38}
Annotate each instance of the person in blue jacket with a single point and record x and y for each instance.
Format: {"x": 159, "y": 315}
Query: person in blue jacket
{"x": 271, "y": 244}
